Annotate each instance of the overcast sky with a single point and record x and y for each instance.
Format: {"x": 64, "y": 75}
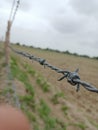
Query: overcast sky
{"x": 58, "y": 24}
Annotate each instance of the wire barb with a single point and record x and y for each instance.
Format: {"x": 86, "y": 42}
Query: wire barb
{"x": 72, "y": 77}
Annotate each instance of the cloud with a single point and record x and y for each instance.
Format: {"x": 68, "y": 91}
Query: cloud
{"x": 25, "y": 5}
{"x": 59, "y": 24}
{"x": 68, "y": 23}
{"x": 87, "y": 7}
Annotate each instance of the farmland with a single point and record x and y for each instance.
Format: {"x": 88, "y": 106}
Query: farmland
{"x": 50, "y": 104}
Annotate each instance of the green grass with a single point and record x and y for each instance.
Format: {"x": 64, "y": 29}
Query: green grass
{"x": 22, "y": 76}
{"x": 44, "y": 112}
{"x": 17, "y": 72}
{"x": 3, "y": 64}
{"x": 55, "y": 98}
{"x": 6, "y": 90}
{"x": 65, "y": 108}
{"x": 29, "y": 98}
{"x": 63, "y": 125}
{"x": 1, "y": 54}
{"x": 43, "y": 84}
{"x": 29, "y": 88}
{"x": 46, "y": 117}
{"x": 14, "y": 67}
{"x": 94, "y": 123}
{"x": 29, "y": 69}
{"x": 31, "y": 116}
{"x": 36, "y": 127}
{"x": 81, "y": 125}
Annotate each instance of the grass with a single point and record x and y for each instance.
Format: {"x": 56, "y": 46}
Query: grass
{"x": 29, "y": 69}
{"x": 65, "y": 108}
{"x": 36, "y": 127}
{"x": 14, "y": 67}
{"x": 29, "y": 89}
{"x": 3, "y": 64}
{"x": 44, "y": 110}
{"x": 6, "y": 90}
{"x": 63, "y": 125}
{"x": 22, "y": 76}
{"x": 45, "y": 114}
{"x": 94, "y": 123}
{"x": 31, "y": 116}
{"x": 43, "y": 84}
{"x": 81, "y": 125}
{"x": 1, "y": 54}
{"x": 55, "y": 98}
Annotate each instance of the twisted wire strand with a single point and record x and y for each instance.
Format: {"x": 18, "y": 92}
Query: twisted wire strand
{"x": 12, "y": 8}
{"x": 16, "y": 99}
{"x": 16, "y": 9}
{"x": 87, "y": 86}
{"x": 72, "y": 77}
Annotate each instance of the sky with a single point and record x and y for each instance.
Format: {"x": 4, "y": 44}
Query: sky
{"x": 57, "y": 24}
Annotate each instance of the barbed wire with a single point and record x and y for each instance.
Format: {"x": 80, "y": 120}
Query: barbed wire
{"x": 17, "y": 6}
{"x": 10, "y": 78}
{"x": 14, "y": 10}
{"x": 72, "y": 77}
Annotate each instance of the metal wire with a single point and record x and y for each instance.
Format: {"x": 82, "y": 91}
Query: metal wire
{"x": 16, "y": 99}
{"x": 72, "y": 77}
{"x": 14, "y": 9}
{"x": 17, "y": 6}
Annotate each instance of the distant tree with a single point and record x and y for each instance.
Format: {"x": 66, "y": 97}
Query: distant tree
{"x": 75, "y": 54}
{"x": 57, "y": 51}
{"x": 24, "y": 45}
{"x": 84, "y": 56}
{"x": 31, "y": 46}
{"x": 66, "y": 52}
{"x": 95, "y": 58}
{"x": 18, "y": 43}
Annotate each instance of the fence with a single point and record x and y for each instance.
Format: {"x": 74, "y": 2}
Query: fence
{"x": 72, "y": 77}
